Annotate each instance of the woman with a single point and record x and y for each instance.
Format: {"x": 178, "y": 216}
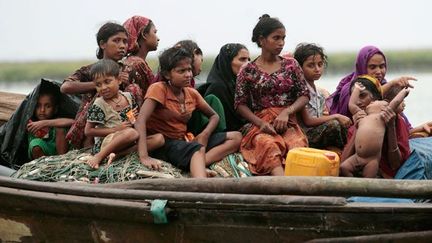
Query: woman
{"x": 370, "y": 61}
{"x": 270, "y": 90}
{"x": 395, "y": 147}
{"x": 112, "y": 41}
{"x": 221, "y": 81}
{"x": 142, "y": 40}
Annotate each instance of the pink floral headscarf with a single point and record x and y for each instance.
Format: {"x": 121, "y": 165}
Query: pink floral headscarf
{"x": 134, "y": 27}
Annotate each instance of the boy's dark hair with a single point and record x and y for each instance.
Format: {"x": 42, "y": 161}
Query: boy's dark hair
{"x": 105, "y": 32}
{"x": 170, "y": 58}
{"x": 305, "y": 50}
{"x": 392, "y": 92}
{"x": 105, "y": 67}
{"x": 265, "y": 26}
{"x": 369, "y": 86}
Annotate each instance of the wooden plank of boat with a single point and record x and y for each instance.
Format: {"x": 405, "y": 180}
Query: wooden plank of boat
{"x": 292, "y": 185}
{"x": 8, "y": 104}
{"x": 418, "y": 237}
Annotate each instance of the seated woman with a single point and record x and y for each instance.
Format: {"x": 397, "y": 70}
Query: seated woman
{"x": 394, "y": 148}
{"x": 270, "y": 91}
{"x": 221, "y": 81}
{"x": 324, "y": 131}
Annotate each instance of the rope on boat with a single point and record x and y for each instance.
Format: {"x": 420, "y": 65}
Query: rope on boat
{"x": 72, "y": 167}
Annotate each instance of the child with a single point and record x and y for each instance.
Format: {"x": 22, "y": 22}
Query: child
{"x": 370, "y": 132}
{"x": 110, "y": 118}
{"x": 167, "y": 109}
{"x": 323, "y": 130}
{"x": 46, "y": 134}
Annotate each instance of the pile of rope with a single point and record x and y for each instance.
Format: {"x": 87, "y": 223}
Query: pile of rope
{"x": 72, "y": 167}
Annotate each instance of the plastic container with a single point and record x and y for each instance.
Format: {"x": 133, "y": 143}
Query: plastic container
{"x": 311, "y": 162}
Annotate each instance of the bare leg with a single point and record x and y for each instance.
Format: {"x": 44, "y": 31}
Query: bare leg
{"x": 88, "y": 142}
{"x": 277, "y": 171}
{"x": 37, "y": 152}
{"x": 121, "y": 140}
{"x": 155, "y": 141}
{"x": 197, "y": 164}
{"x": 347, "y": 167}
{"x": 370, "y": 170}
{"x": 61, "y": 144}
{"x": 231, "y": 145}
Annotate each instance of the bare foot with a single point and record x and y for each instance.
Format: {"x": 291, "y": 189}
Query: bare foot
{"x": 111, "y": 158}
{"x": 94, "y": 162}
{"x": 211, "y": 173}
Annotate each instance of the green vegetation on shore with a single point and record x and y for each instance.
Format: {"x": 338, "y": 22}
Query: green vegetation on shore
{"x": 404, "y": 60}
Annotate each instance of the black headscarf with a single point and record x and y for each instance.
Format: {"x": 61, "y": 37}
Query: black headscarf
{"x": 221, "y": 82}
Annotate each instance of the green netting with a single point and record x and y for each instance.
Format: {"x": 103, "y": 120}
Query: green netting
{"x": 72, "y": 167}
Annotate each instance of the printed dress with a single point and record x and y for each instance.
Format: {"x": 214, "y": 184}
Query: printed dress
{"x": 101, "y": 113}
{"x": 140, "y": 76}
{"x": 328, "y": 134}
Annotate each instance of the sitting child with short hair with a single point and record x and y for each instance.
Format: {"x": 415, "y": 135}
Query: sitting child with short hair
{"x": 370, "y": 133}
{"x": 46, "y": 133}
{"x": 110, "y": 118}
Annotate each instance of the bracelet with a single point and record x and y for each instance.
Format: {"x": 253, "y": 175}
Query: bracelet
{"x": 394, "y": 150}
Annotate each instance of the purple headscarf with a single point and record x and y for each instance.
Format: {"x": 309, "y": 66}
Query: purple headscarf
{"x": 338, "y": 101}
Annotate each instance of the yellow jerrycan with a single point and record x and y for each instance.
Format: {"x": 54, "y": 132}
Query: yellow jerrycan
{"x": 311, "y": 162}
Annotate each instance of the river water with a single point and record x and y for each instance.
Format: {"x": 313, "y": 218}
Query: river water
{"x": 417, "y": 103}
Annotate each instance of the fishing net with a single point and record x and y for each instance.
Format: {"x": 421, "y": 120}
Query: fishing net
{"x": 72, "y": 167}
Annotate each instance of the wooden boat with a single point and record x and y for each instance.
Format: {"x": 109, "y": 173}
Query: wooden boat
{"x": 264, "y": 209}
{"x": 255, "y": 209}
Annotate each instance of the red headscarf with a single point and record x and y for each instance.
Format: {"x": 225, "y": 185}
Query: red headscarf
{"x": 134, "y": 27}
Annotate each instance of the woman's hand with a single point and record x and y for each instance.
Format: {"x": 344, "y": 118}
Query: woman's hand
{"x": 403, "y": 81}
{"x": 265, "y": 127}
{"x": 343, "y": 120}
{"x": 358, "y": 116}
{"x": 280, "y": 124}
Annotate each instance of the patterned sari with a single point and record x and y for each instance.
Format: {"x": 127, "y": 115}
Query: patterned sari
{"x": 263, "y": 151}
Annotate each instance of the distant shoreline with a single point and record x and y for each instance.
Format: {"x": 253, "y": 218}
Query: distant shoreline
{"x": 400, "y": 61}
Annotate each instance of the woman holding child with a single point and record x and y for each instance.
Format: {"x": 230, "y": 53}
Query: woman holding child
{"x": 270, "y": 90}
{"x": 394, "y": 147}
{"x": 112, "y": 41}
